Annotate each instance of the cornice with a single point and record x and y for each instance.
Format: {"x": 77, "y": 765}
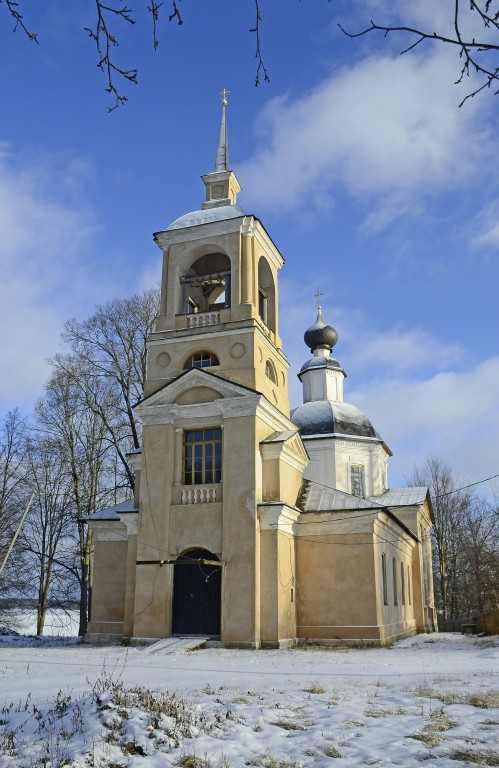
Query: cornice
{"x": 278, "y": 517}
{"x": 166, "y": 238}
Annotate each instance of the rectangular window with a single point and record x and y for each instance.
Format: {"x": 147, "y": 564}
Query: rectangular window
{"x": 402, "y": 583}
{"x": 357, "y": 481}
{"x": 383, "y": 575}
{"x": 202, "y": 456}
{"x": 409, "y": 585}
{"x": 394, "y": 569}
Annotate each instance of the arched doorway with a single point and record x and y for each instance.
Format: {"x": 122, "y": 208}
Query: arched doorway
{"x": 197, "y": 589}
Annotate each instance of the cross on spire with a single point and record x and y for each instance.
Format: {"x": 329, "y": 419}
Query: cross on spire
{"x": 224, "y": 95}
{"x": 318, "y": 297}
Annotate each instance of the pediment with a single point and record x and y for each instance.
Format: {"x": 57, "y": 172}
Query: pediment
{"x": 208, "y": 385}
{"x": 287, "y": 444}
{"x": 196, "y": 395}
{"x": 296, "y": 445}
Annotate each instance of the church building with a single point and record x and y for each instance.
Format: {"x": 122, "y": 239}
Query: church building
{"x": 251, "y": 524}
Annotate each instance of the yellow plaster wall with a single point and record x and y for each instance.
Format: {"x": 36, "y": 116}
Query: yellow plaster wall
{"x": 109, "y": 581}
{"x": 196, "y": 525}
{"x": 151, "y": 592}
{"x": 278, "y": 591}
{"x": 240, "y": 607}
{"x": 336, "y": 587}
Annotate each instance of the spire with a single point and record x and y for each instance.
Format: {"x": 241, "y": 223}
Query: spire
{"x": 221, "y": 185}
{"x": 222, "y": 161}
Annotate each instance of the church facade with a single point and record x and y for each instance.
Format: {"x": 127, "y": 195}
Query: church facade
{"x": 251, "y": 524}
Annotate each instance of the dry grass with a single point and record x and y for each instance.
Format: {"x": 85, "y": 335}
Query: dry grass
{"x": 479, "y": 757}
{"x": 270, "y": 760}
{"x": 191, "y": 760}
{"x": 440, "y": 722}
{"x": 372, "y": 711}
{"x": 330, "y": 751}
{"x": 485, "y": 700}
{"x": 287, "y": 725}
{"x": 429, "y": 738}
{"x": 315, "y": 688}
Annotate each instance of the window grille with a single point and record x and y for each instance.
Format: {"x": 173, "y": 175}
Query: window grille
{"x": 357, "y": 481}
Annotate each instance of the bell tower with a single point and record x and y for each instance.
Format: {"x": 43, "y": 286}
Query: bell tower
{"x": 219, "y": 294}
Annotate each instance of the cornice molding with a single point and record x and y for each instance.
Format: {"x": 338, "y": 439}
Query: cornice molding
{"x": 278, "y": 517}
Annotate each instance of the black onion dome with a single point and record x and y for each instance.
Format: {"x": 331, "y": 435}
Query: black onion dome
{"x": 320, "y": 334}
{"x": 324, "y": 417}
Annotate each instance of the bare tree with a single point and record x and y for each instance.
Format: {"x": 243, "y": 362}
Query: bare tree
{"x": 465, "y": 543}
{"x": 47, "y": 533}
{"x": 66, "y": 418}
{"x": 449, "y": 507}
{"x": 472, "y": 29}
{"x": 479, "y": 543}
{"x": 108, "y": 362}
{"x": 12, "y": 489}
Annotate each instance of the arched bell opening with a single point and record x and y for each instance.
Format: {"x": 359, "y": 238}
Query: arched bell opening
{"x": 266, "y": 295}
{"x": 207, "y": 284}
{"x": 197, "y": 594}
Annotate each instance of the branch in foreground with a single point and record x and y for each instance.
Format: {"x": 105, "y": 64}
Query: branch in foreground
{"x": 13, "y": 9}
{"x": 469, "y": 50}
{"x": 258, "y": 54}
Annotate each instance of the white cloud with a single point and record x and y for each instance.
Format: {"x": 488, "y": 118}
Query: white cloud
{"x": 454, "y": 415}
{"x": 386, "y": 129}
{"x": 398, "y": 350}
{"x": 46, "y": 231}
{"x": 486, "y": 227}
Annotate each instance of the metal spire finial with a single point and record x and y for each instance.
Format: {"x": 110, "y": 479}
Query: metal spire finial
{"x": 222, "y": 161}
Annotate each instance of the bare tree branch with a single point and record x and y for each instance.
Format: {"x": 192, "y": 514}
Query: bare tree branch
{"x": 470, "y": 50}
{"x": 13, "y": 9}
{"x": 105, "y": 41}
{"x": 261, "y": 68}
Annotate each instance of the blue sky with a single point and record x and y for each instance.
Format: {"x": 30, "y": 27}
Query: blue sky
{"x": 375, "y": 186}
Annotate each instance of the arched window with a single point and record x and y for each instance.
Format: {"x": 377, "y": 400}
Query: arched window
{"x": 266, "y": 295}
{"x": 202, "y": 359}
{"x": 270, "y": 371}
{"x": 207, "y": 284}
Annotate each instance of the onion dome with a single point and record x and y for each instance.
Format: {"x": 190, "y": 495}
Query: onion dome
{"x": 320, "y": 335}
{"x": 324, "y": 417}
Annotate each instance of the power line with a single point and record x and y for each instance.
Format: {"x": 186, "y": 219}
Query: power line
{"x": 463, "y": 487}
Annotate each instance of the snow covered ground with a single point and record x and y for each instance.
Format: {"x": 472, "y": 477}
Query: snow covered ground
{"x": 432, "y": 699}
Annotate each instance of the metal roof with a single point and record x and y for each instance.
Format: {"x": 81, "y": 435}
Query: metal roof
{"x": 196, "y": 218}
{"x": 325, "y": 417}
{"x": 402, "y": 497}
{"x": 113, "y": 513}
{"x": 320, "y": 498}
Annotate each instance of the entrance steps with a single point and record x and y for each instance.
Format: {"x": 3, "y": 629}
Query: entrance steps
{"x": 176, "y": 644}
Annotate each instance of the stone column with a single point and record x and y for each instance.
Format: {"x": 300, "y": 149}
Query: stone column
{"x": 177, "y": 458}
{"x": 247, "y": 262}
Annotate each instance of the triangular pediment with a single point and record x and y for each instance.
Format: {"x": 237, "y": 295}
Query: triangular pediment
{"x": 296, "y": 445}
{"x": 285, "y": 443}
{"x": 195, "y": 378}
